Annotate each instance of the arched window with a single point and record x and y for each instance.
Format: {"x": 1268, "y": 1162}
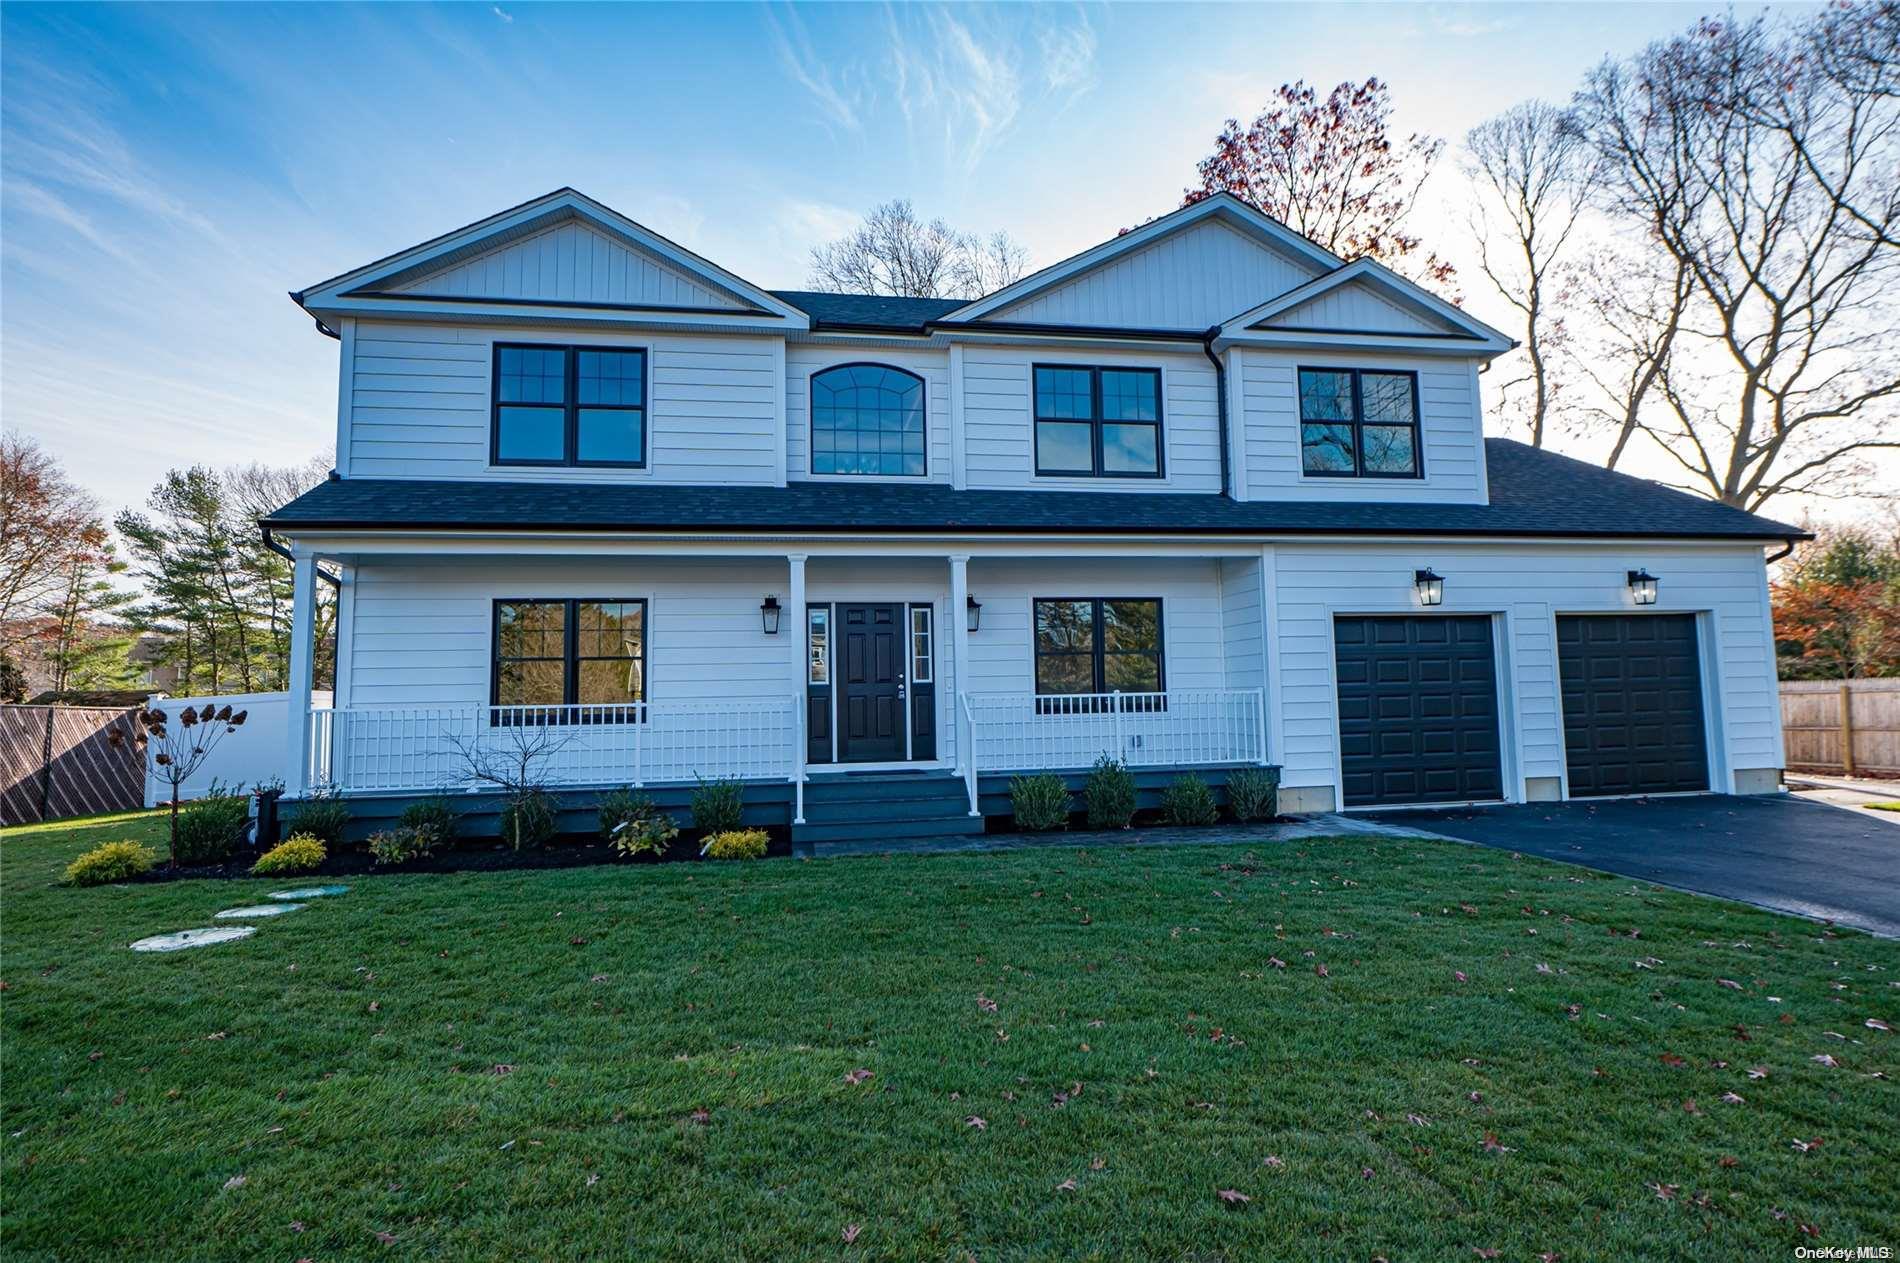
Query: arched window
{"x": 867, "y": 419}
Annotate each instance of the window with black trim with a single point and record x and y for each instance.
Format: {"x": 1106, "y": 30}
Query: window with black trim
{"x": 1097, "y": 422}
{"x": 569, "y": 405}
{"x": 576, "y": 652}
{"x": 1359, "y": 423}
{"x": 867, "y": 419}
{"x": 1094, "y": 645}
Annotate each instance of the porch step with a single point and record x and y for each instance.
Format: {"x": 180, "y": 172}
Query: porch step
{"x": 846, "y": 808}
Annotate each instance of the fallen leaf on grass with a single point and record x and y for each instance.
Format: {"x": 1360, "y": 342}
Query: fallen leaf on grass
{"x": 1418, "y": 1120}
{"x": 1727, "y": 1161}
{"x": 502, "y": 1069}
{"x": 986, "y": 1004}
{"x": 1758, "y": 1072}
{"x": 1276, "y": 962}
{"x": 1674, "y": 1062}
{"x": 1665, "y": 1191}
{"x": 1730, "y": 1098}
{"x": 700, "y": 1117}
{"x": 1484, "y": 1252}
{"x": 1067, "y": 1186}
{"x": 974, "y": 1121}
{"x": 593, "y": 1178}
{"x": 851, "y": 1232}
{"x": 1689, "y": 1107}
{"x": 1274, "y": 1160}
{"x": 858, "y": 1076}
{"x": 1234, "y": 1196}
{"x": 236, "y": 1181}
{"x": 387, "y": 1238}
{"x": 1098, "y": 1164}
{"x": 1491, "y": 1144}
{"x": 1875, "y": 1024}
{"x": 1321, "y": 971}
{"x": 1825, "y": 1059}
{"x": 1730, "y": 983}
{"x": 1806, "y": 1146}
{"x": 1459, "y": 974}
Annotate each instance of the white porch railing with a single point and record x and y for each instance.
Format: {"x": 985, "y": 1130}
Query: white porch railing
{"x": 1182, "y": 727}
{"x": 428, "y": 747}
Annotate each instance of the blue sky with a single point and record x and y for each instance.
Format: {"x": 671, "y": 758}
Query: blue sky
{"x": 169, "y": 172}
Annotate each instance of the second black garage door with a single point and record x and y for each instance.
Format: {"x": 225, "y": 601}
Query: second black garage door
{"x": 1632, "y": 694}
{"x": 1418, "y": 710}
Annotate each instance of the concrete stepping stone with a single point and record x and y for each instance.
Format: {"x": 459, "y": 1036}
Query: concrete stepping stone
{"x": 258, "y": 910}
{"x": 308, "y": 892}
{"x": 193, "y": 938}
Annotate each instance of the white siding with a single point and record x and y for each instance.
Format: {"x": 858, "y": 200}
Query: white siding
{"x": 419, "y": 404}
{"x": 1526, "y": 587}
{"x": 1191, "y": 279}
{"x": 571, "y": 263}
{"x": 999, "y": 429}
{"x": 1451, "y": 429}
{"x": 933, "y": 366}
{"x": 1241, "y": 632}
{"x": 1356, "y": 307}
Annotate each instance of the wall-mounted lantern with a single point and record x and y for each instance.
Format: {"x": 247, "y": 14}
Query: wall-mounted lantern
{"x": 1431, "y": 586}
{"x": 768, "y": 614}
{"x": 1643, "y": 587}
{"x": 973, "y": 610}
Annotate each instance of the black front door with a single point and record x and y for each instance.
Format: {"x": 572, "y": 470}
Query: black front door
{"x": 871, "y": 683}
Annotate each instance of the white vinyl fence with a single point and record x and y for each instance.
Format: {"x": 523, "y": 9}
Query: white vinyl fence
{"x": 254, "y": 753}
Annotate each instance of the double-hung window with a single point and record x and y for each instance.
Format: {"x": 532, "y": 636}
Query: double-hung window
{"x": 581, "y": 652}
{"x": 1097, "y": 645}
{"x": 1097, "y": 422}
{"x": 569, "y": 405}
{"x": 1358, "y": 423}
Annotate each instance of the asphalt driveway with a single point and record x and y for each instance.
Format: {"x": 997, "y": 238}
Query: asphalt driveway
{"x": 1779, "y": 852}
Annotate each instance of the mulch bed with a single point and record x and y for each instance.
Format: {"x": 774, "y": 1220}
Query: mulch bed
{"x": 472, "y": 855}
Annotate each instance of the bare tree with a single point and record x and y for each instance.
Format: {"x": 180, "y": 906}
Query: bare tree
{"x": 1765, "y": 163}
{"x": 894, "y": 252}
{"x": 44, "y": 519}
{"x": 1635, "y": 301}
{"x": 1530, "y": 168}
{"x": 512, "y": 758}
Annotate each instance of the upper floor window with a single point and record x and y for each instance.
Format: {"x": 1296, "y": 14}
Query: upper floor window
{"x": 1356, "y": 423}
{"x": 1098, "y": 422}
{"x": 569, "y": 405}
{"x": 867, "y": 419}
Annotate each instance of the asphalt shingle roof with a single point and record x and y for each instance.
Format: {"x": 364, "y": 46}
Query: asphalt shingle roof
{"x": 1533, "y": 492}
{"x": 869, "y": 311}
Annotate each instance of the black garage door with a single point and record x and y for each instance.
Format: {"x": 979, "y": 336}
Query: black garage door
{"x": 1418, "y": 710}
{"x": 1632, "y": 692}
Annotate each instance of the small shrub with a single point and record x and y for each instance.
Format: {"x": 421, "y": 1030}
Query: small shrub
{"x": 1253, "y": 794}
{"x": 735, "y": 844}
{"x": 299, "y": 853}
{"x": 402, "y": 844}
{"x": 633, "y": 825}
{"x": 1188, "y": 801}
{"x": 115, "y": 861}
{"x": 322, "y": 816}
{"x": 432, "y": 816}
{"x": 209, "y": 828}
{"x": 1040, "y": 802}
{"x": 1110, "y": 794}
{"x": 718, "y": 806}
{"x": 527, "y": 819}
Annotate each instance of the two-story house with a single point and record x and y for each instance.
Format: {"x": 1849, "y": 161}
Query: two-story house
{"x": 1201, "y": 496}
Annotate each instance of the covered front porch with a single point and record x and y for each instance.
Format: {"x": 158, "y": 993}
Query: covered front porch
{"x": 780, "y": 668}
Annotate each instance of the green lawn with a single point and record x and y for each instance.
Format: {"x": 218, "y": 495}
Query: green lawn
{"x": 648, "y": 1062}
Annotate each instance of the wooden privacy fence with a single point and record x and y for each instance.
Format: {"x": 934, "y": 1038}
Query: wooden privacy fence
{"x": 57, "y": 761}
{"x": 1842, "y": 726}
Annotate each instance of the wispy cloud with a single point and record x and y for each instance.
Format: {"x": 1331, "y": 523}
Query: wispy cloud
{"x": 809, "y": 70}
{"x": 502, "y": 13}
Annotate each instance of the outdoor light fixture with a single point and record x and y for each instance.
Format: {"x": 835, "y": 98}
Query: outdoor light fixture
{"x": 768, "y": 613}
{"x": 1431, "y": 586}
{"x": 974, "y": 609}
{"x": 1643, "y": 587}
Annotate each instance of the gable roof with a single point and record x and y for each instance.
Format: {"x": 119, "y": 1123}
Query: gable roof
{"x": 1225, "y": 206}
{"x": 1534, "y": 493}
{"x": 393, "y": 282}
{"x": 1282, "y": 312}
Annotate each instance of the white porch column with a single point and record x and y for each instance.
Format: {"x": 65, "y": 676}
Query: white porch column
{"x": 800, "y": 630}
{"x": 303, "y": 619}
{"x": 960, "y": 670}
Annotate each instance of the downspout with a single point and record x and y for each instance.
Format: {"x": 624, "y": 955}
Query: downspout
{"x": 1785, "y": 550}
{"x": 1220, "y": 397}
{"x": 270, "y": 542}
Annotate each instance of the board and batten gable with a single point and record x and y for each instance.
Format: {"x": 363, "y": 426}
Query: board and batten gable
{"x": 571, "y": 263}
{"x": 1267, "y": 422}
{"x": 1191, "y": 279}
{"x": 999, "y": 418}
{"x": 1355, "y": 308}
{"x": 1524, "y": 588}
{"x": 933, "y": 365}
{"x": 418, "y": 397}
